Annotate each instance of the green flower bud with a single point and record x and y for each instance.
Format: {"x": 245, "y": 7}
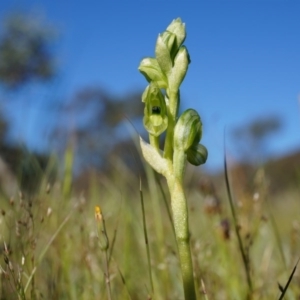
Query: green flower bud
{"x": 170, "y": 40}
{"x": 168, "y": 44}
{"x": 188, "y": 130}
{"x": 197, "y": 155}
{"x": 150, "y": 68}
{"x": 155, "y": 112}
{"x": 178, "y": 28}
{"x": 181, "y": 63}
{"x": 163, "y": 54}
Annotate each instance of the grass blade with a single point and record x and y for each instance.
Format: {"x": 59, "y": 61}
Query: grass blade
{"x": 204, "y": 290}
{"x": 236, "y": 227}
{"x": 115, "y": 235}
{"x": 283, "y": 291}
{"x": 124, "y": 282}
{"x": 41, "y": 256}
{"x": 165, "y": 202}
{"x": 146, "y": 238}
{"x": 277, "y": 236}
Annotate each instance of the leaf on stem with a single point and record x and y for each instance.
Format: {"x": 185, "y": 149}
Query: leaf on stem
{"x": 154, "y": 158}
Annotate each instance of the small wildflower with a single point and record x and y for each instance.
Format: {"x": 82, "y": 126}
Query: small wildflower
{"x": 98, "y": 214}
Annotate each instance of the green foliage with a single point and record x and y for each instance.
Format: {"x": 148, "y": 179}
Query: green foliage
{"x": 25, "y": 51}
{"x": 52, "y": 250}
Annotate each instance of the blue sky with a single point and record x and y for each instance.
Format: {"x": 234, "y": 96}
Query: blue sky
{"x": 245, "y": 59}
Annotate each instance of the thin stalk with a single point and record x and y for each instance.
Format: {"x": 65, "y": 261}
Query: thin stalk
{"x": 32, "y": 292}
{"x": 180, "y": 219}
{"x": 173, "y": 103}
{"x": 283, "y": 291}
{"x": 114, "y": 236}
{"x": 107, "y": 275}
{"x": 172, "y": 115}
{"x": 124, "y": 282}
{"x": 168, "y": 149}
{"x": 41, "y": 256}
{"x": 204, "y": 290}
{"x": 179, "y": 164}
{"x": 146, "y": 240}
{"x": 166, "y": 203}
{"x": 237, "y": 231}
{"x": 112, "y": 245}
{"x": 154, "y": 141}
{"x": 277, "y": 235}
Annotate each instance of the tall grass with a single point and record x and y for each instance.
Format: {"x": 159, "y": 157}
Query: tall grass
{"x": 51, "y": 248}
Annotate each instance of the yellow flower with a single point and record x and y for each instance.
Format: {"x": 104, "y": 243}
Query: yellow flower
{"x": 98, "y": 214}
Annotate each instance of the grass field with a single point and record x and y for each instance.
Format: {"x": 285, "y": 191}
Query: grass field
{"x": 53, "y": 248}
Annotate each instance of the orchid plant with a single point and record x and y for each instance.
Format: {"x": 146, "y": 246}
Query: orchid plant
{"x": 165, "y": 73}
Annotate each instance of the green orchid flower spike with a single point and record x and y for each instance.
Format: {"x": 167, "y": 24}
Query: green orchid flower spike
{"x": 166, "y": 71}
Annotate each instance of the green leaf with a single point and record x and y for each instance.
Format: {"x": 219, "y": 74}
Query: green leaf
{"x": 154, "y": 158}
